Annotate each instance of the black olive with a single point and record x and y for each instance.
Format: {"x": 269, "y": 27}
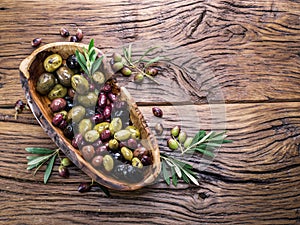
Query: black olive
{"x": 72, "y": 63}
{"x": 68, "y": 131}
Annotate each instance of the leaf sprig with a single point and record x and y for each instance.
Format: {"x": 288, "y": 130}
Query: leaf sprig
{"x": 203, "y": 143}
{"x": 43, "y": 155}
{"x": 133, "y": 64}
{"x": 89, "y": 60}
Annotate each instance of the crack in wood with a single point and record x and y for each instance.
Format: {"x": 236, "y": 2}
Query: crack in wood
{"x": 196, "y": 24}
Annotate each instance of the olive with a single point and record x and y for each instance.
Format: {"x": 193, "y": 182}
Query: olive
{"x": 100, "y": 127}
{"x": 117, "y": 57}
{"x": 76, "y": 141}
{"x": 106, "y": 88}
{"x": 71, "y": 92}
{"x": 138, "y": 78}
{"x": 132, "y": 143}
{"x": 113, "y": 144}
{"x": 58, "y": 104}
{"x": 101, "y": 150}
{"x": 117, "y": 66}
{"x": 151, "y": 71}
{"x": 172, "y": 144}
{"x": 66, "y": 162}
{"x": 146, "y": 160}
{"x": 117, "y": 156}
{"x": 159, "y": 129}
{"x": 108, "y": 163}
{"x": 84, "y": 126}
{"x": 135, "y": 133}
{"x": 57, "y": 119}
{"x": 97, "y": 118}
{"x": 64, "y": 75}
{"x": 140, "y": 152}
{"x": 72, "y": 63}
{"x": 45, "y": 83}
{"x": 188, "y": 142}
{"x": 91, "y": 136}
{"x": 157, "y": 112}
{"x": 76, "y": 114}
{"x": 63, "y": 124}
{"x": 175, "y": 131}
{"x": 136, "y": 163}
{"x": 122, "y": 135}
{"x": 128, "y": 173}
{"x": 58, "y": 91}
{"x": 105, "y": 135}
{"x": 107, "y": 112}
{"x": 97, "y": 143}
{"x": 102, "y": 100}
{"x": 115, "y": 125}
{"x": 127, "y": 153}
{"x": 63, "y": 171}
{"x": 64, "y": 32}
{"x": 182, "y": 137}
{"x": 89, "y": 100}
{"x": 88, "y": 152}
{"x": 126, "y": 71}
{"x": 52, "y": 62}
{"x": 80, "y": 84}
{"x": 112, "y": 97}
{"x": 63, "y": 112}
{"x": 79, "y": 34}
{"x": 73, "y": 39}
{"x": 69, "y": 105}
{"x": 36, "y": 42}
{"x": 68, "y": 131}
{"x": 98, "y": 77}
{"x": 97, "y": 161}
{"x": 84, "y": 187}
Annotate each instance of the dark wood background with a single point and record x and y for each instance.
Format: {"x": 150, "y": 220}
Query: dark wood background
{"x": 248, "y": 55}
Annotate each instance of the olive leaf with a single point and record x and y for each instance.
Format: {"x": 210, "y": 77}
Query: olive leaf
{"x": 36, "y": 150}
{"x": 49, "y": 169}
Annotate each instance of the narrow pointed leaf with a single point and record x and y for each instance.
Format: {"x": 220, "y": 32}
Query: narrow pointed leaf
{"x": 32, "y": 157}
{"x": 32, "y": 166}
{"x": 146, "y": 53}
{"x": 185, "y": 178}
{"x": 40, "y": 151}
{"x": 191, "y": 177}
{"x": 174, "y": 177}
{"x": 156, "y": 59}
{"x": 49, "y": 169}
{"x": 39, "y": 160}
{"x": 91, "y": 44}
{"x": 96, "y": 65}
{"x": 166, "y": 174}
{"x": 204, "y": 152}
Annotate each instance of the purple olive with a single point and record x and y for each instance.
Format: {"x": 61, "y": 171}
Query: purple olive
{"x": 140, "y": 152}
{"x": 107, "y": 112}
{"x": 63, "y": 124}
{"x": 102, "y": 150}
{"x": 146, "y": 160}
{"x": 56, "y": 120}
{"x": 79, "y": 34}
{"x": 106, "y": 88}
{"x": 112, "y": 97}
{"x": 84, "y": 187}
{"x": 64, "y": 32}
{"x": 102, "y": 100}
{"x": 63, "y": 171}
{"x": 157, "y": 112}
{"x": 97, "y": 161}
{"x": 76, "y": 141}
{"x": 73, "y": 39}
{"x": 58, "y": 104}
{"x": 88, "y": 152}
{"x": 132, "y": 143}
{"x": 105, "y": 135}
{"x": 36, "y": 42}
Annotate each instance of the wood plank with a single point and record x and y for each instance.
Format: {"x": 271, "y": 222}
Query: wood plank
{"x": 253, "y": 180}
{"x": 247, "y": 51}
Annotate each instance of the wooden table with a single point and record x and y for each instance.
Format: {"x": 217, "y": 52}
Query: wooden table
{"x": 247, "y": 54}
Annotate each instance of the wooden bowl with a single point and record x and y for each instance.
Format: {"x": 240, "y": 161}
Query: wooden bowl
{"x": 32, "y": 67}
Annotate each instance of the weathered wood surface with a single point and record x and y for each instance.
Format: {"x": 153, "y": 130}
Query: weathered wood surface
{"x": 247, "y": 55}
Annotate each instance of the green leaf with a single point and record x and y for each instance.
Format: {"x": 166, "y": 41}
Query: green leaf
{"x": 96, "y": 65}
{"x": 82, "y": 62}
{"x": 41, "y": 151}
{"x": 226, "y": 141}
{"x": 174, "y": 177}
{"x": 201, "y": 134}
{"x": 32, "y": 166}
{"x": 129, "y": 51}
{"x": 165, "y": 172}
{"x": 191, "y": 177}
{"x": 39, "y": 160}
{"x": 31, "y": 157}
{"x": 185, "y": 178}
{"x": 105, "y": 190}
{"x": 91, "y": 44}
{"x": 156, "y": 59}
{"x": 146, "y": 53}
{"x": 49, "y": 169}
{"x": 92, "y": 56}
{"x": 204, "y": 152}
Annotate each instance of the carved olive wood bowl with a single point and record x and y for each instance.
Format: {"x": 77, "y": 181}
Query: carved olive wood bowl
{"x": 32, "y": 67}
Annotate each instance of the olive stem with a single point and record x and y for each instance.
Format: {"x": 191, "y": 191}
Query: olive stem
{"x": 56, "y": 151}
{"x": 180, "y": 146}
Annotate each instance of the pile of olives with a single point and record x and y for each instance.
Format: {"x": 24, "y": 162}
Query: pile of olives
{"x": 90, "y": 114}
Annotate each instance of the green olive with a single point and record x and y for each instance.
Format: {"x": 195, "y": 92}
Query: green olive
{"x": 117, "y": 66}
{"x": 80, "y": 84}
{"x": 182, "y": 137}
{"x": 64, "y": 75}
{"x": 115, "y": 125}
{"x": 175, "y": 131}
{"x": 188, "y": 142}
{"x": 45, "y": 83}
{"x": 91, "y": 136}
{"x": 89, "y": 100}
{"x": 98, "y": 77}
{"x": 172, "y": 144}
{"x": 101, "y": 127}
{"x": 122, "y": 135}
{"x": 137, "y": 163}
{"x": 135, "y": 133}
{"x": 52, "y": 62}
{"x": 84, "y": 126}
{"x": 76, "y": 114}
{"x": 58, "y": 91}
{"x": 108, "y": 163}
{"x": 127, "y": 153}
{"x": 113, "y": 144}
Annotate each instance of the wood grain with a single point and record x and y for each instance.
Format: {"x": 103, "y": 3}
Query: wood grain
{"x": 252, "y": 180}
{"x": 254, "y": 42}
{"x": 234, "y": 66}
